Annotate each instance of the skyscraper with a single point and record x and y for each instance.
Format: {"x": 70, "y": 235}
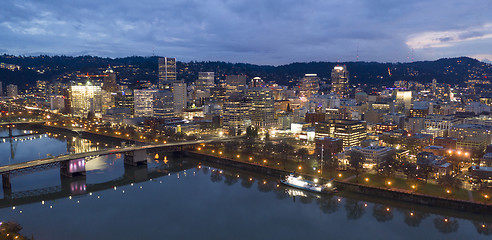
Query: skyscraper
{"x": 167, "y": 72}
{"x": 339, "y": 81}
{"x": 262, "y": 107}
{"x": 109, "y": 82}
{"x": 12, "y": 90}
{"x": 163, "y": 104}
{"x": 235, "y": 83}
{"x": 236, "y": 115}
{"x": 205, "y": 80}
{"x": 309, "y": 85}
{"x": 180, "y": 96}
{"x": 143, "y": 102}
{"x": 86, "y": 100}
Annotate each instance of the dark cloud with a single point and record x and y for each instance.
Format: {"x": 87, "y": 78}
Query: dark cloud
{"x": 257, "y": 31}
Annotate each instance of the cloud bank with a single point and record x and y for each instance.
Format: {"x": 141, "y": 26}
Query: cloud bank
{"x": 255, "y": 31}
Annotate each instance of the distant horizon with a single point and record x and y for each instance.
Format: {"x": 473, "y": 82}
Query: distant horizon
{"x": 188, "y": 61}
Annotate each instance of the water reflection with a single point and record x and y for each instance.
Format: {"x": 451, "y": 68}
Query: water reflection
{"x": 382, "y": 213}
{"x": 27, "y": 145}
{"x": 328, "y": 204}
{"x": 413, "y": 218}
{"x": 355, "y": 209}
{"x": 446, "y": 224}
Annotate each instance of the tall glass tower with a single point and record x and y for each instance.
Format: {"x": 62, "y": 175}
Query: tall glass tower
{"x": 167, "y": 72}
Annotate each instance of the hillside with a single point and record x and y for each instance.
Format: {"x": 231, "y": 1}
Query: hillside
{"x": 132, "y": 69}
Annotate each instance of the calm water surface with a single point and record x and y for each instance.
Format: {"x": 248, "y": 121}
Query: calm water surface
{"x": 179, "y": 198}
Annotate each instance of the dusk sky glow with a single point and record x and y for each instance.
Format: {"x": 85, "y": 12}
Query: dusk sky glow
{"x": 254, "y": 31}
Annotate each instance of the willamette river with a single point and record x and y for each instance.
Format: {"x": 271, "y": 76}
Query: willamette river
{"x": 180, "y": 198}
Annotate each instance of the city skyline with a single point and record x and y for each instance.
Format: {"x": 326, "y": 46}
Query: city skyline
{"x": 258, "y": 32}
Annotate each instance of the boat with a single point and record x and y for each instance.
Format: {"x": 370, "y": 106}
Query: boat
{"x": 304, "y": 184}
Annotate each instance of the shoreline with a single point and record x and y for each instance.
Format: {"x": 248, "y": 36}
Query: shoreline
{"x": 391, "y": 194}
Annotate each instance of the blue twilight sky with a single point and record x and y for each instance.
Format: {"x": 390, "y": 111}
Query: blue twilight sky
{"x": 255, "y": 31}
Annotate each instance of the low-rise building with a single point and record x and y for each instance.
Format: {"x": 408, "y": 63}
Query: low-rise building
{"x": 373, "y": 155}
{"x": 328, "y": 145}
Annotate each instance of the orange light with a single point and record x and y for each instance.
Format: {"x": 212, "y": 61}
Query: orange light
{"x": 299, "y": 167}
{"x": 367, "y": 179}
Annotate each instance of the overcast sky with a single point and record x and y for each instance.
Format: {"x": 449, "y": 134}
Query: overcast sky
{"x": 254, "y": 31}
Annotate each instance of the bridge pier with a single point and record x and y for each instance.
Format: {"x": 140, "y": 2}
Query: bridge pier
{"x": 136, "y": 157}
{"x": 136, "y": 173}
{"x": 73, "y": 168}
{"x": 6, "y": 181}
{"x": 74, "y": 186}
{"x": 7, "y": 186}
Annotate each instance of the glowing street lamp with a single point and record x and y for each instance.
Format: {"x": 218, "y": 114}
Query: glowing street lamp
{"x": 366, "y": 179}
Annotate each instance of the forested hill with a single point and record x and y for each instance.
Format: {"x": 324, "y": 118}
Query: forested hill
{"x": 26, "y": 70}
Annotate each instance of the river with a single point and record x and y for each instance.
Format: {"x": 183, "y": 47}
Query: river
{"x": 179, "y": 198}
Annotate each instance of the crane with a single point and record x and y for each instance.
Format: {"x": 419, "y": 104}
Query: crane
{"x": 88, "y": 76}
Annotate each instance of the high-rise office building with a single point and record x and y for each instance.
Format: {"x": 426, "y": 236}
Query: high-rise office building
{"x": 205, "y": 80}
{"x": 352, "y": 132}
{"x": 163, "y": 104}
{"x": 404, "y": 99}
{"x": 180, "y": 96}
{"x": 236, "y": 114}
{"x": 109, "y": 82}
{"x": 202, "y": 89}
{"x": 167, "y": 72}
{"x": 1, "y": 89}
{"x": 143, "y": 105}
{"x": 339, "y": 81}
{"x": 262, "y": 107}
{"x": 124, "y": 99}
{"x": 12, "y": 90}
{"x": 309, "y": 85}
{"x": 86, "y": 100}
{"x": 235, "y": 83}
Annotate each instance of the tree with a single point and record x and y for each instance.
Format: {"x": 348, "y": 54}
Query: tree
{"x": 267, "y": 136}
{"x": 251, "y": 132}
{"x": 387, "y": 166}
{"x": 302, "y": 153}
{"x": 232, "y": 146}
{"x": 90, "y": 115}
{"x": 449, "y": 181}
{"x": 356, "y": 161}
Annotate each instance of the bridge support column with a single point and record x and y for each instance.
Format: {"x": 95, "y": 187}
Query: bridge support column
{"x": 6, "y": 181}
{"x": 136, "y": 173}
{"x": 74, "y": 186}
{"x": 136, "y": 157}
{"x": 7, "y": 186}
{"x": 73, "y": 168}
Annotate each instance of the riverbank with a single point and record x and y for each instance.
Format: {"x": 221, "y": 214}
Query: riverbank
{"x": 389, "y": 193}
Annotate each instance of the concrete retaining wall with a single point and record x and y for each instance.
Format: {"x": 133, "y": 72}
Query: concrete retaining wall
{"x": 411, "y": 197}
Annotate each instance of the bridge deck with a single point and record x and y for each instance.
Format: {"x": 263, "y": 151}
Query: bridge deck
{"x": 62, "y": 158}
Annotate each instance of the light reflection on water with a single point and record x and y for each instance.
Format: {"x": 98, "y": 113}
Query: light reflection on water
{"x": 181, "y": 199}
